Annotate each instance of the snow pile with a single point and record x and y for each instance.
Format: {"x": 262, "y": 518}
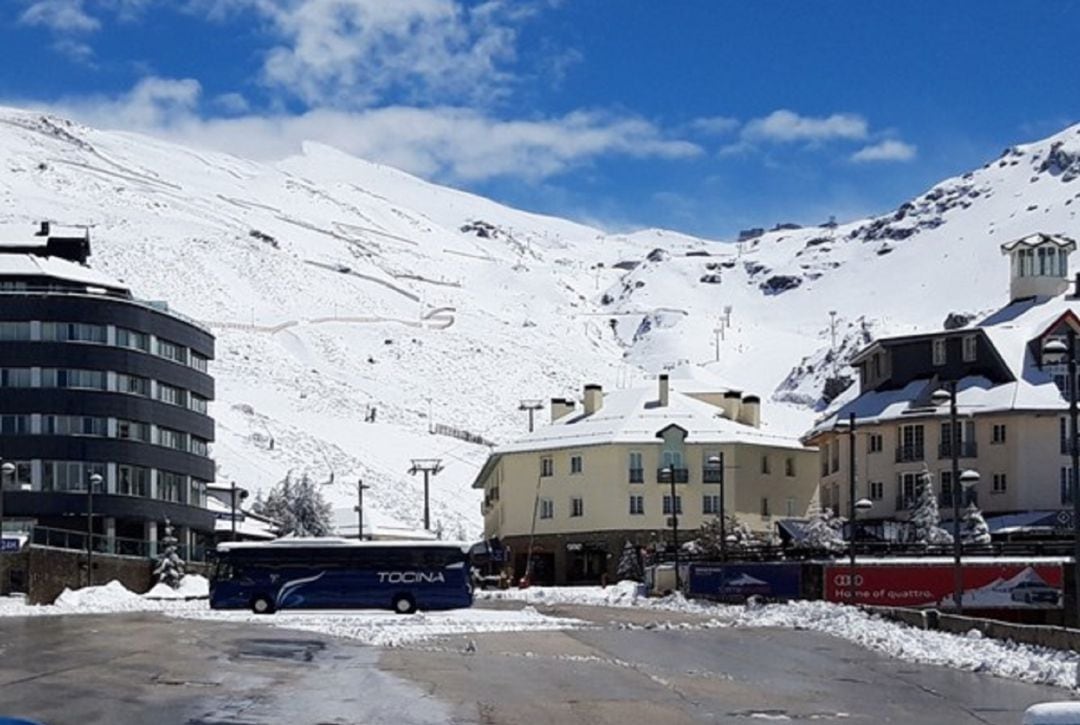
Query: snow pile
{"x": 192, "y": 586}
{"x": 112, "y": 597}
{"x": 387, "y": 629}
{"x": 1003, "y": 659}
{"x": 1053, "y": 713}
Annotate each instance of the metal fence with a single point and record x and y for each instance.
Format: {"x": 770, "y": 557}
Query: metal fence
{"x": 101, "y": 544}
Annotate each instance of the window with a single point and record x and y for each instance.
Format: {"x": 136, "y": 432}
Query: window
{"x": 1063, "y": 435}
{"x": 201, "y": 447}
{"x": 547, "y": 508}
{"x": 876, "y": 360}
{"x": 132, "y": 339}
{"x": 172, "y": 439}
{"x": 825, "y": 460}
{"x": 15, "y": 424}
{"x": 911, "y": 443}
{"x": 172, "y": 395}
{"x": 637, "y": 472}
{"x": 577, "y": 506}
{"x": 198, "y": 403}
{"x": 575, "y": 464}
{"x": 1000, "y": 484}
{"x": 834, "y": 449}
{"x": 72, "y": 332}
{"x": 197, "y": 494}
{"x": 789, "y": 508}
{"x": 1067, "y": 484}
{"x": 789, "y": 466}
{"x": 998, "y": 435}
{"x": 70, "y": 475}
{"x": 132, "y": 384}
{"x": 547, "y": 466}
{"x": 74, "y": 379}
{"x": 132, "y": 480}
{"x": 765, "y": 507}
{"x": 637, "y": 505}
{"x": 133, "y": 430}
{"x": 199, "y": 362}
{"x": 14, "y": 331}
{"x": 172, "y": 351}
{"x": 939, "y": 351}
{"x": 765, "y": 464}
{"x": 170, "y": 486}
{"x": 971, "y": 345}
{"x": 15, "y": 377}
{"x": 710, "y": 504}
{"x": 877, "y": 490}
{"x": 907, "y": 487}
{"x": 74, "y": 425}
{"x": 667, "y": 505}
{"x": 874, "y": 443}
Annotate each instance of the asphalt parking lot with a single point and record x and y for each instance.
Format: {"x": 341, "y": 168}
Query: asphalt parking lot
{"x": 628, "y": 667}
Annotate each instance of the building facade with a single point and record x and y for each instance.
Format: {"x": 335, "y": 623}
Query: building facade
{"x": 581, "y": 487}
{"x": 1012, "y": 422}
{"x": 94, "y": 382}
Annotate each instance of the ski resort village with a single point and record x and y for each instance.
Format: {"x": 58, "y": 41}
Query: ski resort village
{"x": 489, "y": 362}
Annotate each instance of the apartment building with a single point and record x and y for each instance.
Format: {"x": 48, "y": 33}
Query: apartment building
{"x": 1012, "y": 422}
{"x": 594, "y": 478}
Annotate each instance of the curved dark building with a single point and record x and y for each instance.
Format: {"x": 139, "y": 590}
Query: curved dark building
{"x": 94, "y": 381}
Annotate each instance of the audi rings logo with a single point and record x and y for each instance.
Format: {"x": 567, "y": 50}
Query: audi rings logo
{"x": 844, "y": 580}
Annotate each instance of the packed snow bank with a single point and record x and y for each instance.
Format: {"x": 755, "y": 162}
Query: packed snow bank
{"x": 1004, "y": 659}
{"x": 1053, "y": 713}
{"x": 390, "y": 630}
{"x": 192, "y": 586}
{"x": 111, "y": 598}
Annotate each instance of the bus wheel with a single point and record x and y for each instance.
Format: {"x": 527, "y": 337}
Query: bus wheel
{"x": 262, "y": 604}
{"x": 404, "y": 604}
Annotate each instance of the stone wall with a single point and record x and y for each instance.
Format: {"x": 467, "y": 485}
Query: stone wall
{"x": 49, "y": 571}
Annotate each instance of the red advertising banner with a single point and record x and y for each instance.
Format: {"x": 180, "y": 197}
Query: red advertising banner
{"x": 985, "y": 586}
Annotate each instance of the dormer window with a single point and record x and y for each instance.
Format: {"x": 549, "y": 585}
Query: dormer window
{"x": 939, "y": 351}
{"x": 971, "y": 346}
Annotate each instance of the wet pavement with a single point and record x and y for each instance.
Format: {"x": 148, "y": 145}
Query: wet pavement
{"x": 148, "y": 668}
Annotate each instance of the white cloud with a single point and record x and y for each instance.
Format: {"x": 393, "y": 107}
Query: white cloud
{"x": 62, "y": 16}
{"x": 888, "y": 150}
{"x": 786, "y": 126}
{"x": 445, "y": 143}
{"x": 232, "y": 103}
{"x": 714, "y": 125}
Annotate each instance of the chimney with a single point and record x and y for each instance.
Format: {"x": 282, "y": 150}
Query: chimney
{"x": 44, "y": 230}
{"x": 594, "y": 398}
{"x": 1076, "y": 287}
{"x": 663, "y": 392}
{"x": 731, "y": 404}
{"x": 750, "y": 411}
{"x": 560, "y": 408}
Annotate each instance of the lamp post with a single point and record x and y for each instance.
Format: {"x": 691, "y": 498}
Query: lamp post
{"x": 849, "y": 424}
{"x": 957, "y": 481}
{"x": 669, "y": 471}
{"x": 526, "y": 580}
{"x": 863, "y": 504}
{"x": 360, "y": 488}
{"x": 7, "y": 469}
{"x": 716, "y": 463}
{"x": 95, "y": 480}
{"x": 242, "y": 493}
{"x": 1057, "y": 350}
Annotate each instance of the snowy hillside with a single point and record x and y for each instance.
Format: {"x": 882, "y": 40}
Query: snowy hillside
{"x": 337, "y": 286}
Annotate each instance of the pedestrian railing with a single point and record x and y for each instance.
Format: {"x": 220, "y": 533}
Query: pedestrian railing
{"x": 102, "y": 544}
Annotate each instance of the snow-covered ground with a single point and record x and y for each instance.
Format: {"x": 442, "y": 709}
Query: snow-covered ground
{"x": 972, "y": 652}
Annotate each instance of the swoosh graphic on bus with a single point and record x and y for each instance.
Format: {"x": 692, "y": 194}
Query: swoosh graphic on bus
{"x": 289, "y": 587}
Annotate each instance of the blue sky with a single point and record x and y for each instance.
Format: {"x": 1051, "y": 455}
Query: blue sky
{"x": 698, "y": 115}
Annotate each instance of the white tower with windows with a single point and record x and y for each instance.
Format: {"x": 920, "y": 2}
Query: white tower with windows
{"x": 1040, "y": 265}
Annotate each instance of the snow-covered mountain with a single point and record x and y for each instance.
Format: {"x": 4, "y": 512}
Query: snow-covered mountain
{"x": 338, "y": 287}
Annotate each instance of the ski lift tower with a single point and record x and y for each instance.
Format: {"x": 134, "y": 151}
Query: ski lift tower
{"x": 429, "y": 467}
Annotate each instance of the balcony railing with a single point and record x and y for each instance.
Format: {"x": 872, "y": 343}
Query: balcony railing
{"x": 712, "y": 475}
{"x": 909, "y": 453}
{"x": 966, "y": 449}
{"x": 663, "y": 475}
{"x": 101, "y": 544}
{"x": 637, "y": 475}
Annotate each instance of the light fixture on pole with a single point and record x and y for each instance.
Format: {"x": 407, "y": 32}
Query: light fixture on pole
{"x": 669, "y": 471}
{"x": 1054, "y": 351}
{"x": 94, "y": 482}
{"x": 716, "y": 468}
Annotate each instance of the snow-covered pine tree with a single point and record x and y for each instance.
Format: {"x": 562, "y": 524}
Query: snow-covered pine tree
{"x": 926, "y": 518}
{"x": 975, "y": 530}
{"x": 298, "y": 506}
{"x": 708, "y": 539}
{"x": 629, "y": 564}
{"x": 822, "y": 532}
{"x": 169, "y": 567}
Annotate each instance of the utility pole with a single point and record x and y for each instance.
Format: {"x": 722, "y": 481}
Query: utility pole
{"x": 360, "y": 488}
{"x": 429, "y": 467}
{"x": 532, "y": 406}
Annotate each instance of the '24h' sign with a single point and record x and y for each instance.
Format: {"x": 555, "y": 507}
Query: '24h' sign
{"x": 9, "y": 545}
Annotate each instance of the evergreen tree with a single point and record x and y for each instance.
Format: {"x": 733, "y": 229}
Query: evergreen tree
{"x": 926, "y": 517}
{"x": 822, "y": 532}
{"x": 975, "y": 530}
{"x": 169, "y": 567}
{"x": 629, "y": 564}
{"x": 298, "y": 506}
{"x": 708, "y": 541}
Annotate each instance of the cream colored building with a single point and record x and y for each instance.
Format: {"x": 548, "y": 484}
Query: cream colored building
{"x": 1012, "y": 414}
{"x": 596, "y": 477}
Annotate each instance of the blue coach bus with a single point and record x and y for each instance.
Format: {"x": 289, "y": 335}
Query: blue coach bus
{"x": 341, "y": 574}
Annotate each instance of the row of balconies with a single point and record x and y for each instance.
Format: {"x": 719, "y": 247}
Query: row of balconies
{"x": 966, "y": 449}
{"x": 909, "y": 502}
{"x": 681, "y": 475}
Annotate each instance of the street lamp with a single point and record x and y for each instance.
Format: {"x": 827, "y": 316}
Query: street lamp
{"x": 716, "y": 463}
{"x": 95, "y": 480}
{"x": 234, "y": 492}
{"x": 526, "y": 579}
{"x": 669, "y": 471}
{"x": 863, "y": 504}
{"x": 1055, "y": 351}
{"x": 360, "y": 488}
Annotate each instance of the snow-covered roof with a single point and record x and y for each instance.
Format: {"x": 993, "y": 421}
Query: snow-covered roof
{"x": 27, "y": 235}
{"x": 247, "y": 524}
{"x": 28, "y": 265}
{"x": 377, "y": 526}
{"x": 1037, "y": 240}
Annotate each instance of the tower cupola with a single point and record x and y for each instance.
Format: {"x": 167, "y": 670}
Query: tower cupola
{"x": 1039, "y": 265}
